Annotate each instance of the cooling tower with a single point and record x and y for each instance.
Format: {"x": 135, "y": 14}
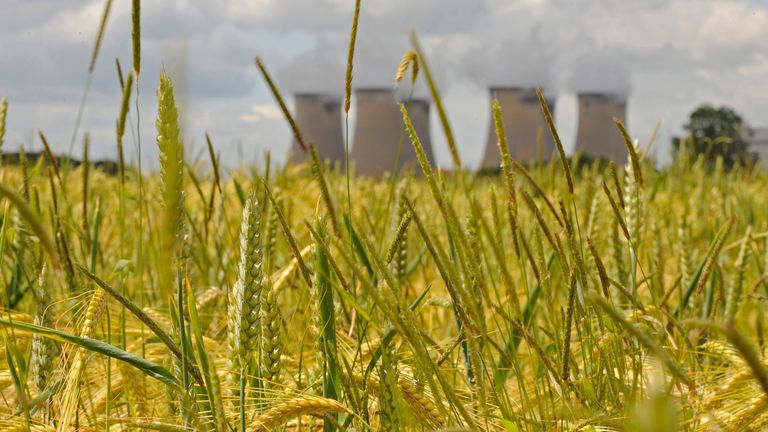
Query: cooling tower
{"x": 318, "y": 117}
{"x": 523, "y": 119}
{"x": 378, "y": 130}
{"x": 597, "y": 135}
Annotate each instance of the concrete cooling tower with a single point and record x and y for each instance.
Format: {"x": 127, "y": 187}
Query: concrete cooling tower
{"x": 378, "y": 129}
{"x": 318, "y": 117}
{"x": 597, "y": 135}
{"x": 523, "y": 119}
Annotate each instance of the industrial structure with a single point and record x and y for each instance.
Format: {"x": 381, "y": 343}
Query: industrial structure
{"x": 598, "y": 136}
{"x": 379, "y": 129}
{"x": 318, "y": 117}
{"x": 523, "y": 121}
{"x": 758, "y": 144}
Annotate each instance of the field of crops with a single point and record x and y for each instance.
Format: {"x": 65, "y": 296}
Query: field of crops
{"x": 194, "y": 301}
{"x": 565, "y": 296}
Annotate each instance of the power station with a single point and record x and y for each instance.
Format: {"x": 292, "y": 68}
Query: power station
{"x": 597, "y": 135}
{"x": 379, "y": 129}
{"x": 523, "y": 119}
{"x": 318, "y": 117}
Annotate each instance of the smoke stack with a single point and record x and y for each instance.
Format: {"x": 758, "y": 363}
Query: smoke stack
{"x": 597, "y": 134}
{"x": 379, "y": 128}
{"x": 522, "y": 119}
{"x": 318, "y": 117}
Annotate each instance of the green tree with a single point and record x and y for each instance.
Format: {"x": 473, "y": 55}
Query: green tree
{"x": 717, "y": 132}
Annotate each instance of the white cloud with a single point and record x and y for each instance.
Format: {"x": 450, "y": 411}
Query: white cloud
{"x": 260, "y": 112}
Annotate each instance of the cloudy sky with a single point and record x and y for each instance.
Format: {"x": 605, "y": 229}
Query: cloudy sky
{"x": 668, "y": 55}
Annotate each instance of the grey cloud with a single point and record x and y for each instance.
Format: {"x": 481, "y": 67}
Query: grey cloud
{"x": 668, "y": 55}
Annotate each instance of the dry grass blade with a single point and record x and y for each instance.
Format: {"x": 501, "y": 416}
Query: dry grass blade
{"x": 521, "y": 169}
{"x": 617, "y": 212}
{"x": 289, "y": 236}
{"x": 99, "y": 35}
{"x": 636, "y": 169}
{"x": 51, "y": 159}
{"x": 437, "y": 101}
{"x": 556, "y": 137}
{"x": 124, "y": 105}
{"x": 617, "y": 183}
{"x": 279, "y": 98}
{"x": 317, "y": 172}
{"x": 603, "y": 275}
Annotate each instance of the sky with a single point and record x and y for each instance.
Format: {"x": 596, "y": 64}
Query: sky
{"x": 666, "y": 56}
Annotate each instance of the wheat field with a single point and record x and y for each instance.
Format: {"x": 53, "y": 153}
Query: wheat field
{"x": 563, "y": 296}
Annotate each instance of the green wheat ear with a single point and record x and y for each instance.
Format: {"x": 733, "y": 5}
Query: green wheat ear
{"x": 44, "y": 350}
{"x": 245, "y": 297}
{"x": 171, "y": 170}
{"x": 272, "y": 343}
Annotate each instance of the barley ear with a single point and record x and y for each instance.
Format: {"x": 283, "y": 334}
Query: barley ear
{"x": 281, "y": 412}
{"x": 410, "y": 59}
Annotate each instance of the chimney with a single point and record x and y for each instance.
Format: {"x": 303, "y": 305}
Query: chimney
{"x": 522, "y": 119}
{"x": 318, "y": 117}
{"x": 597, "y": 135}
{"x": 379, "y": 130}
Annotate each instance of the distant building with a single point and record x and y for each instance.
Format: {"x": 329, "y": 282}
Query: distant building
{"x": 597, "y": 134}
{"x": 318, "y": 117}
{"x": 379, "y": 132}
{"x": 523, "y": 121}
{"x": 758, "y": 143}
